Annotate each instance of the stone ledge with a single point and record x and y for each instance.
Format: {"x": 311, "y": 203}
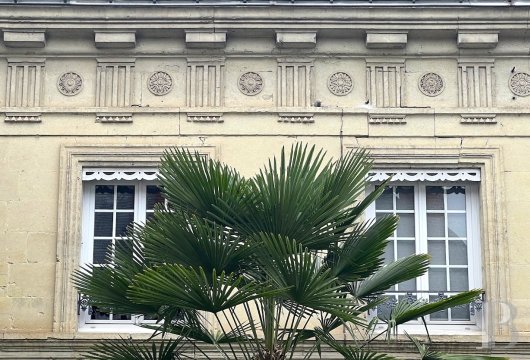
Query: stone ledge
{"x": 205, "y": 40}
{"x": 105, "y": 39}
{"x": 477, "y": 40}
{"x": 296, "y": 39}
{"x": 114, "y": 117}
{"x": 23, "y": 117}
{"x": 24, "y": 38}
{"x": 386, "y": 40}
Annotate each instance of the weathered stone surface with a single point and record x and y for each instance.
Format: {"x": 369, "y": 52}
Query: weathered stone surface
{"x": 296, "y": 39}
{"x": 24, "y": 38}
{"x": 477, "y": 40}
{"x": 115, "y": 39}
{"x": 386, "y": 40}
{"x": 205, "y": 40}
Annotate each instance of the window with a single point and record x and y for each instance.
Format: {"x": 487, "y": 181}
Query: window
{"x": 441, "y": 219}
{"x": 109, "y": 208}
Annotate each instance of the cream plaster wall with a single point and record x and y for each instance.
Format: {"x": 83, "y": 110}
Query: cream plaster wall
{"x": 31, "y": 153}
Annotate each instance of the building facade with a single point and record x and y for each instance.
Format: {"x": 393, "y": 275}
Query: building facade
{"x": 92, "y": 93}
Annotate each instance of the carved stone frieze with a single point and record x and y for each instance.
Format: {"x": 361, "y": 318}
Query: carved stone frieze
{"x": 205, "y": 82}
{"x": 294, "y": 82}
{"x": 387, "y": 119}
{"x": 23, "y": 117}
{"x": 296, "y": 118}
{"x": 384, "y": 82}
{"x": 205, "y": 117}
{"x": 478, "y": 119}
{"x": 160, "y": 83}
{"x": 520, "y": 84}
{"x": 431, "y": 84}
{"x": 340, "y": 83}
{"x": 250, "y": 83}
{"x": 114, "y": 117}
{"x": 25, "y": 79}
{"x": 70, "y": 83}
{"x": 114, "y": 79}
{"x": 475, "y": 83}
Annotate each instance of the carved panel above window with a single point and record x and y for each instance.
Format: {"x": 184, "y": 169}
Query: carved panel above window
{"x": 204, "y": 82}
{"x": 25, "y": 78}
{"x": 475, "y": 83}
{"x": 384, "y": 80}
{"x": 114, "y": 78}
{"x": 294, "y": 82}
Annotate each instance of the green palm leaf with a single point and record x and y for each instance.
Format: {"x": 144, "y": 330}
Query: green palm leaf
{"x": 350, "y": 352}
{"x": 126, "y": 349}
{"x": 189, "y": 288}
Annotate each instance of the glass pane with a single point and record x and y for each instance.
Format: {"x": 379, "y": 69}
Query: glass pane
{"x": 153, "y": 196}
{"x": 458, "y": 279}
{"x": 460, "y": 313}
{"x": 405, "y": 198}
{"x": 149, "y": 216}
{"x": 384, "y": 202}
{"x": 101, "y": 249}
{"x": 408, "y": 285}
{"x": 125, "y": 197}
{"x": 405, "y": 248}
{"x": 123, "y": 219}
{"x": 99, "y": 314}
{"x": 121, "y": 316}
{"x": 103, "y": 224}
{"x": 437, "y": 280}
{"x": 389, "y": 253}
{"x": 104, "y": 196}
{"x": 440, "y": 315}
{"x": 437, "y": 251}
{"x": 457, "y": 252}
{"x": 435, "y": 197}
{"x": 456, "y": 198}
{"x": 456, "y": 224}
{"x": 435, "y": 225}
{"x": 406, "y": 225}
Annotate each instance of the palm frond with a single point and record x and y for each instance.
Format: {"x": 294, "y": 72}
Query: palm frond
{"x": 126, "y": 349}
{"x": 350, "y": 352}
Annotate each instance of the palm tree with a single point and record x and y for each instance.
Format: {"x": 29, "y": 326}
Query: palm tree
{"x": 254, "y": 266}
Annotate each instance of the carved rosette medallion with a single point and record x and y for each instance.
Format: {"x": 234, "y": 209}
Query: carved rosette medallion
{"x": 250, "y": 83}
{"x": 70, "y": 83}
{"x": 160, "y": 83}
{"x": 340, "y": 83}
{"x": 520, "y": 84}
{"x": 431, "y": 84}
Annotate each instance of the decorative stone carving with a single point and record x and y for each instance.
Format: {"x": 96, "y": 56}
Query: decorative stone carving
{"x": 296, "y": 118}
{"x": 250, "y": 83}
{"x": 114, "y": 79}
{"x": 23, "y": 117}
{"x": 294, "y": 82}
{"x": 387, "y": 119}
{"x": 25, "y": 79}
{"x": 149, "y": 174}
{"x": 520, "y": 84}
{"x": 114, "y": 117}
{"x": 478, "y": 119}
{"x": 205, "y": 82}
{"x": 430, "y": 175}
{"x": 205, "y": 117}
{"x": 475, "y": 83}
{"x": 160, "y": 83}
{"x": 431, "y": 84}
{"x": 340, "y": 83}
{"x": 384, "y": 82}
{"x": 70, "y": 83}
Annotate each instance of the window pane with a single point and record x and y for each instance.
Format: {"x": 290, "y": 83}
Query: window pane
{"x": 456, "y": 198}
{"x": 435, "y": 225}
{"x": 456, "y": 224}
{"x": 408, "y": 285}
{"x": 405, "y": 248}
{"x": 440, "y": 315}
{"x": 389, "y": 253}
{"x": 153, "y": 196}
{"x": 125, "y": 197}
{"x": 458, "y": 252}
{"x": 104, "y": 196}
{"x": 437, "y": 251}
{"x": 437, "y": 280}
{"x": 98, "y": 314}
{"x": 384, "y": 202}
{"x": 123, "y": 219}
{"x": 103, "y": 224}
{"x": 406, "y": 225}
{"x": 405, "y": 198}
{"x": 458, "y": 279}
{"x": 460, "y": 313}
{"x": 101, "y": 249}
{"x": 121, "y": 316}
{"x": 435, "y": 197}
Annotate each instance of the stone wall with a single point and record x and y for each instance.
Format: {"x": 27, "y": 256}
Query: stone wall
{"x": 100, "y": 86}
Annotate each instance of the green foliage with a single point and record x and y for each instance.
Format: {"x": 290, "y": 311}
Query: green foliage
{"x": 264, "y": 259}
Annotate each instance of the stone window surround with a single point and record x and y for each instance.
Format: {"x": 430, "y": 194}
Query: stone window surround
{"x": 73, "y": 159}
{"x": 495, "y": 272}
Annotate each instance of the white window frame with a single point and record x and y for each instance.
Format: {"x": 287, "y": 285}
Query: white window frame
{"x": 474, "y": 325}
{"x": 85, "y": 323}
